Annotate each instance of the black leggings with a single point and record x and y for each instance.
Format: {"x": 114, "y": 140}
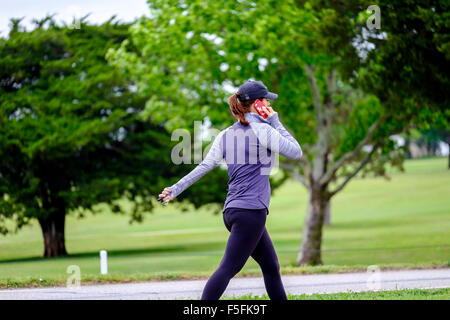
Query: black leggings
{"x": 248, "y": 237}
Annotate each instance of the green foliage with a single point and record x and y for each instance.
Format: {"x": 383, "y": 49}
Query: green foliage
{"x": 189, "y": 57}
{"x": 68, "y": 114}
{"x": 71, "y": 134}
{"x": 411, "y": 55}
{"x": 184, "y": 55}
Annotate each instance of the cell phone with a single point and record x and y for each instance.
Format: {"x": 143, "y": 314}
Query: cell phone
{"x": 161, "y": 199}
{"x": 258, "y": 106}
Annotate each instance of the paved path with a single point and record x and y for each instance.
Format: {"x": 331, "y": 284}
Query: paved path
{"x": 192, "y": 289}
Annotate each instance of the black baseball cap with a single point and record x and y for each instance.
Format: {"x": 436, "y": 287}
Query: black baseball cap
{"x": 252, "y": 90}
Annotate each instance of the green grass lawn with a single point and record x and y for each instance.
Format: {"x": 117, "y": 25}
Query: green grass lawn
{"x": 405, "y": 294}
{"x": 404, "y": 221}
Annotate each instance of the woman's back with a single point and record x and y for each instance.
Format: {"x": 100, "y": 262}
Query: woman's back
{"x": 249, "y": 165}
{"x": 249, "y": 152}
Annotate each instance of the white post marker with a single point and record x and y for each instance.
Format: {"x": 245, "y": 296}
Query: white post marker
{"x": 103, "y": 262}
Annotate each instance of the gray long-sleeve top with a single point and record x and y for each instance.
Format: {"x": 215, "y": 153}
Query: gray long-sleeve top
{"x": 249, "y": 154}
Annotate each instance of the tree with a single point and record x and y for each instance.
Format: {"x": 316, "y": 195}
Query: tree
{"x": 71, "y": 134}
{"x": 410, "y": 47}
{"x": 409, "y": 62}
{"x": 307, "y": 52}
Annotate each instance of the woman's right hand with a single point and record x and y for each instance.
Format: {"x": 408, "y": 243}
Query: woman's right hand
{"x": 165, "y": 196}
{"x": 268, "y": 110}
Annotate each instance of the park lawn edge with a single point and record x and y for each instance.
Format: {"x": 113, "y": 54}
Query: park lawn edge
{"x": 117, "y": 278}
{"x": 388, "y": 294}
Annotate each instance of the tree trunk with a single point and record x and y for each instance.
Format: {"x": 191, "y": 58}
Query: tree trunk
{"x": 408, "y": 150}
{"x": 310, "y": 252}
{"x": 448, "y": 155}
{"x": 448, "y": 143}
{"x": 53, "y": 232}
{"x": 446, "y": 136}
{"x": 327, "y": 220}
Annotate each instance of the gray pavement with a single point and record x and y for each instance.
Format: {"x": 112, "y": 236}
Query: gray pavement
{"x": 192, "y": 289}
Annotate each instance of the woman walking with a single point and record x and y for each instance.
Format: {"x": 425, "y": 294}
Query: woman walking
{"x": 248, "y": 147}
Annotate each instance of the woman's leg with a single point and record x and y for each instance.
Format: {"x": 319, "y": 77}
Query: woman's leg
{"x": 266, "y": 257}
{"x": 247, "y": 227}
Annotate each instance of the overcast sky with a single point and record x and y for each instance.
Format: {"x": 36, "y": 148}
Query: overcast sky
{"x": 101, "y": 10}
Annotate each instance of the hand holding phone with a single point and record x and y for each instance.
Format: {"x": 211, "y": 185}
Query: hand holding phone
{"x": 164, "y": 197}
{"x": 263, "y": 109}
{"x": 259, "y": 108}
